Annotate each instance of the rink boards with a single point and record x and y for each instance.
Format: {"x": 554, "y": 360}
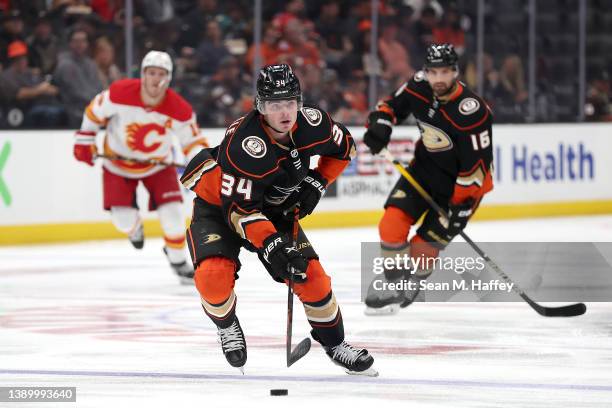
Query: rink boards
{"x": 540, "y": 170}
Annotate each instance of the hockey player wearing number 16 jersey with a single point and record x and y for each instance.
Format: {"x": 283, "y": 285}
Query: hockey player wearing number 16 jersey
{"x": 245, "y": 187}
{"x": 140, "y": 117}
{"x": 452, "y": 162}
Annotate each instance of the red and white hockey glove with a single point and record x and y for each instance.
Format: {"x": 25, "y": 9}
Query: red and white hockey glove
{"x": 85, "y": 147}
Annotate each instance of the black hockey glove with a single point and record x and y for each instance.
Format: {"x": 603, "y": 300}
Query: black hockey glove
{"x": 285, "y": 261}
{"x": 438, "y": 229}
{"x": 312, "y": 188}
{"x": 379, "y": 131}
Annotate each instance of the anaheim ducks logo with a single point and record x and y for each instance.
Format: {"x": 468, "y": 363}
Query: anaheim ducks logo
{"x": 210, "y": 238}
{"x": 137, "y": 136}
{"x": 399, "y": 194}
{"x": 434, "y": 139}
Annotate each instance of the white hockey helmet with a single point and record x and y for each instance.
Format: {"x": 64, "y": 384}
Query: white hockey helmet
{"x": 158, "y": 59}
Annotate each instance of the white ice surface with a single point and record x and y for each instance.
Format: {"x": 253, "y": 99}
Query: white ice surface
{"x": 114, "y": 323}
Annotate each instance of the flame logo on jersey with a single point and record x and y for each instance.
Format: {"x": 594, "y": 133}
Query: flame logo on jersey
{"x": 137, "y": 136}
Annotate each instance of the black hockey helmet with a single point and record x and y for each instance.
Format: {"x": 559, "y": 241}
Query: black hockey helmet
{"x": 277, "y": 82}
{"x": 441, "y": 55}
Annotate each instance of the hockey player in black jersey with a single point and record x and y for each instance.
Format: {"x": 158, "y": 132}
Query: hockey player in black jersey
{"x": 245, "y": 187}
{"x": 453, "y": 161}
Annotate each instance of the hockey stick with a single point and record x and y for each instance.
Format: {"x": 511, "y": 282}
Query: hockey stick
{"x": 142, "y": 161}
{"x": 576, "y": 309}
{"x": 303, "y": 346}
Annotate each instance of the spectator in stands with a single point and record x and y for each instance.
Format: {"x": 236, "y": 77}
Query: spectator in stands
{"x": 22, "y": 89}
{"x": 512, "y": 79}
{"x": 193, "y": 24}
{"x": 355, "y": 95}
{"x": 598, "y": 107}
{"x": 107, "y": 10}
{"x": 211, "y": 49}
{"x": 77, "y": 78}
{"x": 12, "y": 30}
{"x": 226, "y": 98}
{"x": 491, "y": 87}
{"x": 424, "y": 30}
{"x": 396, "y": 61}
{"x": 104, "y": 57}
{"x": 238, "y": 24}
{"x": 296, "y": 49}
{"x": 419, "y": 7}
{"x": 331, "y": 98}
{"x": 158, "y": 11}
{"x": 268, "y": 49}
{"x": 310, "y": 81}
{"x": 361, "y": 58}
{"x": 335, "y": 42}
{"x": 450, "y": 30}
{"x": 407, "y": 36}
{"x": 44, "y": 46}
{"x": 294, "y": 10}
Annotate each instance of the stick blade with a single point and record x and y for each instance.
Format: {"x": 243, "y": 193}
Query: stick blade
{"x": 299, "y": 351}
{"x": 576, "y": 309}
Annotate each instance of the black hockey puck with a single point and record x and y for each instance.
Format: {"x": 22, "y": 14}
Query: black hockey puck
{"x": 279, "y": 392}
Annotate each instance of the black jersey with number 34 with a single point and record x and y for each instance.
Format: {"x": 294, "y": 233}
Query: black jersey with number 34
{"x": 253, "y": 178}
{"x": 454, "y": 154}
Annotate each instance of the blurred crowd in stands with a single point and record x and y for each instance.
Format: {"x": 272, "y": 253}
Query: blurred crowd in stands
{"x": 56, "y": 55}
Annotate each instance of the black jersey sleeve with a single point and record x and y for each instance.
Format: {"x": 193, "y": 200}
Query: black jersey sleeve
{"x": 402, "y": 102}
{"x": 472, "y": 120}
{"x": 336, "y": 153}
{"x": 246, "y": 167}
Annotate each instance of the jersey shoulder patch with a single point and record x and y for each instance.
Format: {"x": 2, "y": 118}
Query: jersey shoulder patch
{"x": 467, "y": 112}
{"x": 314, "y": 126}
{"x": 419, "y": 76}
{"x": 247, "y": 149}
{"x": 312, "y": 115}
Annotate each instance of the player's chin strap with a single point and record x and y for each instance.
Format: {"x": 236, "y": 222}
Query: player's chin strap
{"x": 575, "y": 309}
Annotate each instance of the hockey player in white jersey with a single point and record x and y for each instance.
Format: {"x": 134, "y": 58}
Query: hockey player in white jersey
{"x": 140, "y": 116}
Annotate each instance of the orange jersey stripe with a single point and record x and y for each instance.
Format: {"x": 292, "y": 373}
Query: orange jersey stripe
{"x": 91, "y": 116}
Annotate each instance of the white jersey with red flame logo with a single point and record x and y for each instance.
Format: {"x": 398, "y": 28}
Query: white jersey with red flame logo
{"x": 134, "y": 131}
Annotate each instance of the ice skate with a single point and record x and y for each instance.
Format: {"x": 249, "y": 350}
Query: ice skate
{"x": 183, "y": 270}
{"x": 383, "y": 301}
{"x": 233, "y": 345}
{"x": 136, "y": 237}
{"x": 353, "y": 360}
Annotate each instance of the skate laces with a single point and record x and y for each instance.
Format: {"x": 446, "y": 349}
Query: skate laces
{"x": 231, "y": 338}
{"x": 346, "y": 353}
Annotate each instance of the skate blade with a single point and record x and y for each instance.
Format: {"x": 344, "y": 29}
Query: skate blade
{"x": 388, "y": 310}
{"x": 241, "y": 369}
{"x": 370, "y": 372}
